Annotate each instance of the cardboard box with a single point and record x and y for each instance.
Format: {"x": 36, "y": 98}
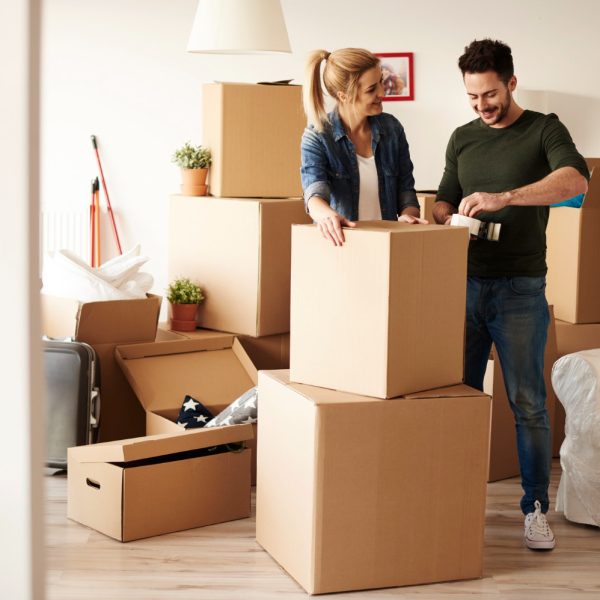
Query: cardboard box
{"x": 571, "y": 338}
{"x": 238, "y": 250}
{"x": 213, "y": 370}
{"x": 253, "y": 132}
{"x": 504, "y": 460}
{"x": 384, "y": 314}
{"x": 355, "y": 492}
{"x": 148, "y": 486}
{"x": 426, "y": 202}
{"x": 573, "y": 245}
{"x": 103, "y": 325}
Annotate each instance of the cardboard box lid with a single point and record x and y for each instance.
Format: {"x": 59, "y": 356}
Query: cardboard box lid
{"x": 107, "y": 321}
{"x": 319, "y": 395}
{"x": 394, "y": 227}
{"x": 161, "y": 445}
{"x": 161, "y": 373}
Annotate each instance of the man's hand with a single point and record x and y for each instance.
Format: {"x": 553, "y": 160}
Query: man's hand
{"x": 478, "y": 202}
{"x": 328, "y": 221}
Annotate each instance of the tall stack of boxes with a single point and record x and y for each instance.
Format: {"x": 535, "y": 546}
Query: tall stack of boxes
{"x": 236, "y": 243}
{"x": 373, "y": 457}
{"x": 573, "y": 281}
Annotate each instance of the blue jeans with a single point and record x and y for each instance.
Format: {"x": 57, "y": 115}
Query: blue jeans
{"x": 512, "y": 313}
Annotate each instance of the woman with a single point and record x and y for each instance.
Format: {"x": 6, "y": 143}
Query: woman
{"x": 355, "y": 160}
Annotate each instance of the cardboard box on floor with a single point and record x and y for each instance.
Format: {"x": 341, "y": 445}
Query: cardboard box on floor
{"x": 213, "y": 370}
{"x": 571, "y": 338}
{"x": 356, "y": 493}
{"x": 253, "y": 132}
{"x": 103, "y": 325}
{"x": 573, "y": 245}
{"x": 504, "y": 460}
{"x": 267, "y": 352}
{"x": 141, "y": 487}
{"x": 384, "y": 314}
{"x": 238, "y": 250}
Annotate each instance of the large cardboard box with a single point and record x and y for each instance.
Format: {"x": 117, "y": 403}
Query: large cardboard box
{"x": 238, "y": 250}
{"x": 573, "y": 245}
{"x": 148, "y": 486}
{"x": 384, "y": 314}
{"x": 213, "y": 370}
{"x": 103, "y": 325}
{"x": 504, "y": 460}
{"x": 355, "y": 492}
{"x": 571, "y": 338}
{"x": 254, "y": 134}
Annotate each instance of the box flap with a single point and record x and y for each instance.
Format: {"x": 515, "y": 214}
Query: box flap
{"x": 591, "y": 200}
{"x": 210, "y": 370}
{"x": 161, "y": 445}
{"x": 453, "y": 391}
{"x": 387, "y": 226}
{"x": 118, "y": 321}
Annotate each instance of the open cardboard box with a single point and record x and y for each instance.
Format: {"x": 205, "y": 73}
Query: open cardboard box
{"x": 356, "y": 492}
{"x": 214, "y": 371}
{"x": 148, "y": 486}
{"x": 103, "y": 325}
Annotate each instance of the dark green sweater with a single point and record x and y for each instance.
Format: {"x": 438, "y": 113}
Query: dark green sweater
{"x": 487, "y": 159}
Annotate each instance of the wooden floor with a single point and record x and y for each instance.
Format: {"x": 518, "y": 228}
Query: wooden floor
{"x": 225, "y": 562}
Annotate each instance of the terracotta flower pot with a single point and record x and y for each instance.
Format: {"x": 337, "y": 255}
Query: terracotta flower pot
{"x": 183, "y": 317}
{"x": 194, "y": 182}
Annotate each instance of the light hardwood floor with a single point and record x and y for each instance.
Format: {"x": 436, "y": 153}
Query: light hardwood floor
{"x": 225, "y": 562}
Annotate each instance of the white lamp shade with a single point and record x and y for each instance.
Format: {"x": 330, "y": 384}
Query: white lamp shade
{"x": 239, "y": 27}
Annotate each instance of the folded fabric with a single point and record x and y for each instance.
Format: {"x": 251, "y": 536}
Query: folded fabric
{"x": 68, "y": 276}
{"x": 242, "y": 410}
{"x": 193, "y": 414}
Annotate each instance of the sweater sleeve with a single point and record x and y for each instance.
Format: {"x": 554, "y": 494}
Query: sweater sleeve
{"x": 450, "y": 189}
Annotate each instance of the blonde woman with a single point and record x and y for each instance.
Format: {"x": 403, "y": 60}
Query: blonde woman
{"x": 355, "y": 160}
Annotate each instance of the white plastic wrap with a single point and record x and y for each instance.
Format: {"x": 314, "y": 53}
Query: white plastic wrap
{"x": 576, "y": 381}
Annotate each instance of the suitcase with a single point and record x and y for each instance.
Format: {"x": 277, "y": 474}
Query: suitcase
{"x": 72, "y": 398}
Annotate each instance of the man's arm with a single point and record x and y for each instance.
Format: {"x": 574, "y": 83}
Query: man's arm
{"x": 562, "y": 184}
{"x": 443, "y": 211}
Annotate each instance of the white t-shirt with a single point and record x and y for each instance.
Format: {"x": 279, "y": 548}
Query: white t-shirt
{"x": 369, "y": 208}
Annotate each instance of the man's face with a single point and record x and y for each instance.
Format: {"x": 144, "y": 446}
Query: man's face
{"x": 489, "y": 96}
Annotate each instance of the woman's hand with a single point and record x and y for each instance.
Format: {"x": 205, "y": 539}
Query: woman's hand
{"x": 328, "y": 221}
{"x": 412, "y": 220}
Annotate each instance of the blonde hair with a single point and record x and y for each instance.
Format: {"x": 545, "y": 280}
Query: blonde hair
{"x": 342, "y": 71}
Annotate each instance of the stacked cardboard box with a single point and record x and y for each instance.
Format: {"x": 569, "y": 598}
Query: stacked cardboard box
{"x": 573, "y": 285}
{"x": 381, "y": 317}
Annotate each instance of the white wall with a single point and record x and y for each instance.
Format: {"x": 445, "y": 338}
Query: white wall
{"x": 118, "y": 69}
{"x": 21, "y": 432}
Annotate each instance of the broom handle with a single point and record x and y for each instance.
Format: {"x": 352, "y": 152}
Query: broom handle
{"x": 110, "y": 211}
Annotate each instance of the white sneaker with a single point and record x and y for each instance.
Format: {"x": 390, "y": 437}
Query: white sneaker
{"x": 538, "y": 535}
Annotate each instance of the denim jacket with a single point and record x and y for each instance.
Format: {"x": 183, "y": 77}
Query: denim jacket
{"x": 330, "y": 168}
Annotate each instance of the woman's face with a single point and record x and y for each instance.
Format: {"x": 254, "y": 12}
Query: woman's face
{"x": 370, "y": 92}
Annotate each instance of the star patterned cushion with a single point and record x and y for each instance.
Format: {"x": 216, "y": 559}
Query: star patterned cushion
{"x": 242, "y": 410}
{"x": 193, "y": 414}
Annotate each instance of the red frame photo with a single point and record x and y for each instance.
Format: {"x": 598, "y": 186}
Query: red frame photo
{"x": 398, "y": 75}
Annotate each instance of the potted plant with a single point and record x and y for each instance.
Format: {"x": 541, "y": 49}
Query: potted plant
{"x": 194, "y": 162}
{"x": 184, "y": 296}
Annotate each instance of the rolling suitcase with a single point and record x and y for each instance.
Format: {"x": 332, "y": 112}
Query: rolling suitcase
{"x": 72, "y": 398}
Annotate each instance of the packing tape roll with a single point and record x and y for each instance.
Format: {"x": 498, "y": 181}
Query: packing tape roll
{"x": 480, "y": 229}
{"x": 463, "y": 221}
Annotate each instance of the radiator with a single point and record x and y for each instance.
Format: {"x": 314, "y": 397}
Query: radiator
{"x": 65, "y": 230}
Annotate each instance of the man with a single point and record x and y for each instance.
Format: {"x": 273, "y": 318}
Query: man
{"x": 507, "y": 166}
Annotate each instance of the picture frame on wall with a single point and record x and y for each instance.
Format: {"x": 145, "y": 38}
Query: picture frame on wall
{"x": 398, "y": 79}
